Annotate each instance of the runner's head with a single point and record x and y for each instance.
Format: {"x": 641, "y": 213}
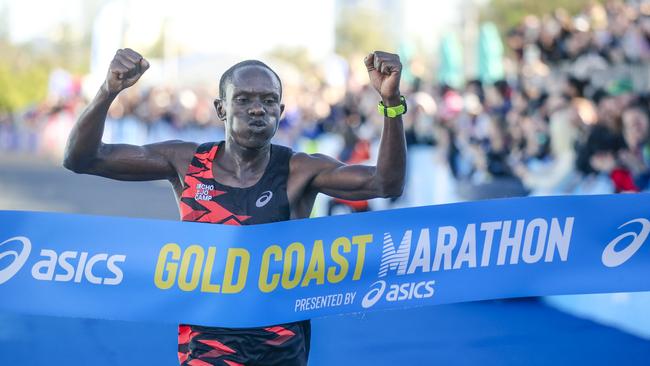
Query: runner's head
{"x": 249, "y": 103}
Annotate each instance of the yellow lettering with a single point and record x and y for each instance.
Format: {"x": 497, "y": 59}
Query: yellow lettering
{"x": 339, "y": 243}
{"x": 287, "y": 282}
{"x": 244, "y": 259}
{"x": 206, "y": 286}
{"x": 316, "y": 268}
{"x": 163, "y": 266}
{"x": 263, "y": 284}
{"x": 361, "y": 241}
{"x": 195, "y": 251}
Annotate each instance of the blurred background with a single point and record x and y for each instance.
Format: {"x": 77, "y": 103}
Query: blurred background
{"x": 506, "y": 98}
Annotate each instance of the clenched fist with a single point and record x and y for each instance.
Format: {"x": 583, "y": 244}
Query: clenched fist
{"x": 385, "y": 71}
{"x": 125, "y": 69}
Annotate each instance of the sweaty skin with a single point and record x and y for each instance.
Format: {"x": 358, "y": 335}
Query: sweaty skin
{"x": 250, "y": 111}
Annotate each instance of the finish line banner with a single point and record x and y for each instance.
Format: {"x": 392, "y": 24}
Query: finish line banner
{"x": 177, "y": 272}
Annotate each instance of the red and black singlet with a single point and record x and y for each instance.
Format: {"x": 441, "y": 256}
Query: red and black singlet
{"x": 206, "y": 200}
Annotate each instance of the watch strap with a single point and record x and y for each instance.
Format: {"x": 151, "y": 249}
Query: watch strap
{"x": 392, "y": 112}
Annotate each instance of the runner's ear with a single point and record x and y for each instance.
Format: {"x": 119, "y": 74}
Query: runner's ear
{"x": 221, "y": 111}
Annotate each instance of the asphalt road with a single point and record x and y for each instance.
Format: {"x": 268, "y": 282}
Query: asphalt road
{"x": 521, "y": 332}
{"x": 29, "y": 183}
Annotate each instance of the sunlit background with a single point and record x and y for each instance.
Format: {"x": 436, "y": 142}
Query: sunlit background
{"x": 506, "y": 98}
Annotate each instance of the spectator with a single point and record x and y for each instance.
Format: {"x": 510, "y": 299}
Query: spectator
{"x": 636, "y": 154}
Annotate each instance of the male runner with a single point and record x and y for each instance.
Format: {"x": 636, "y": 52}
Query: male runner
{"x": 243, "y": 180}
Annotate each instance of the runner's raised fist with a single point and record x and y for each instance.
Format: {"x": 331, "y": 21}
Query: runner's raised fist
{"x": 385, "y": 70}
{"x": 125, "y": 69}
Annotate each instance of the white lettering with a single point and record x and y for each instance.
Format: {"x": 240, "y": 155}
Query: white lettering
{"x": 559, "y": 239}
{"x": 447, "y": 237}
{"x": 467, "y": 251}
{"x": 512, "y": 242}
{"x": 422, "y": 255}
{"x": 48, "y": 264}
{"x": 392, "y": 259}
{"x": 114, "y": 269}
{"x": 66, "y": 266}
{"x": 489, "y": 228}
{"x": 542, "y": 228}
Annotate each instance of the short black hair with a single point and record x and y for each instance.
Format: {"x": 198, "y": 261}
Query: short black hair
{"x": 227, "y": 76}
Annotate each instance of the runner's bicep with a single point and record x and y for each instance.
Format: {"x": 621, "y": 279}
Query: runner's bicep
{"x": 336, "y": 179}
{"x": 132, "y": 162}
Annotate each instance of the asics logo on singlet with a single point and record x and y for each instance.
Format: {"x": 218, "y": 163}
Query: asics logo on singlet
{"x": 264, "y": 199}
{"x": 614, "y": 258}
{"x": 19, "y": 258}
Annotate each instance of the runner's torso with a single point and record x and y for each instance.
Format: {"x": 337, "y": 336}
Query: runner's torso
{"x": 204, "y": 199}
{"x": 299, "y": 194}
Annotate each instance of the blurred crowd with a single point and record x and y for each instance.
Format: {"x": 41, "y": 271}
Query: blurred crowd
{"x": 570, "y": 121}
{"x": 601, "y": 35}
{"x": 571, "y": 116}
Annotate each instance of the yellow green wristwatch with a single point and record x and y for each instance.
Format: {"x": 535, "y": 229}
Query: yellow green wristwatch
{"x": 392, "y": 112}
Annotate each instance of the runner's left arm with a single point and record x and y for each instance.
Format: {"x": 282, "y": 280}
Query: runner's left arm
{"x": 386, "y": 179}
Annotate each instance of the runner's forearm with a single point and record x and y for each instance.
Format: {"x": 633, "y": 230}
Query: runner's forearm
{"x": 86, "y": 136}
{"x": 391, "y": 162}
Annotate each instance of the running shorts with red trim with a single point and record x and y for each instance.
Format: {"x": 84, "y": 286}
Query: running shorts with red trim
{"x": 286, "y": 344}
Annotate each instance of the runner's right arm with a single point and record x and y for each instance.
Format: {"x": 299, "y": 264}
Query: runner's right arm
{"x": 86, "y": 153}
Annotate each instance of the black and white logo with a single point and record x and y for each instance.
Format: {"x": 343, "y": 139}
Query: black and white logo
{"x": 614, "y": 258}
{"x": 264, "y": 199}
{"x": 19, "y": 258}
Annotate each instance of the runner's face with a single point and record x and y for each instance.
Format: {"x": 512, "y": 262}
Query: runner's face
{"x": 252, "y": 107}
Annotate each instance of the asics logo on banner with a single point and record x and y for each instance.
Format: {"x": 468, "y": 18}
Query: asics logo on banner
{"x": 614, "y": 258}
{"x": 264, "y": 199}
{"x": 67, "y": 266}
{"x": 397, "y": 292}
{"x": 19, "y": 259}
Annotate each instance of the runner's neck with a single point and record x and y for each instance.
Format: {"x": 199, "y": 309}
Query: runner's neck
{"x": 241, "y": 163}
